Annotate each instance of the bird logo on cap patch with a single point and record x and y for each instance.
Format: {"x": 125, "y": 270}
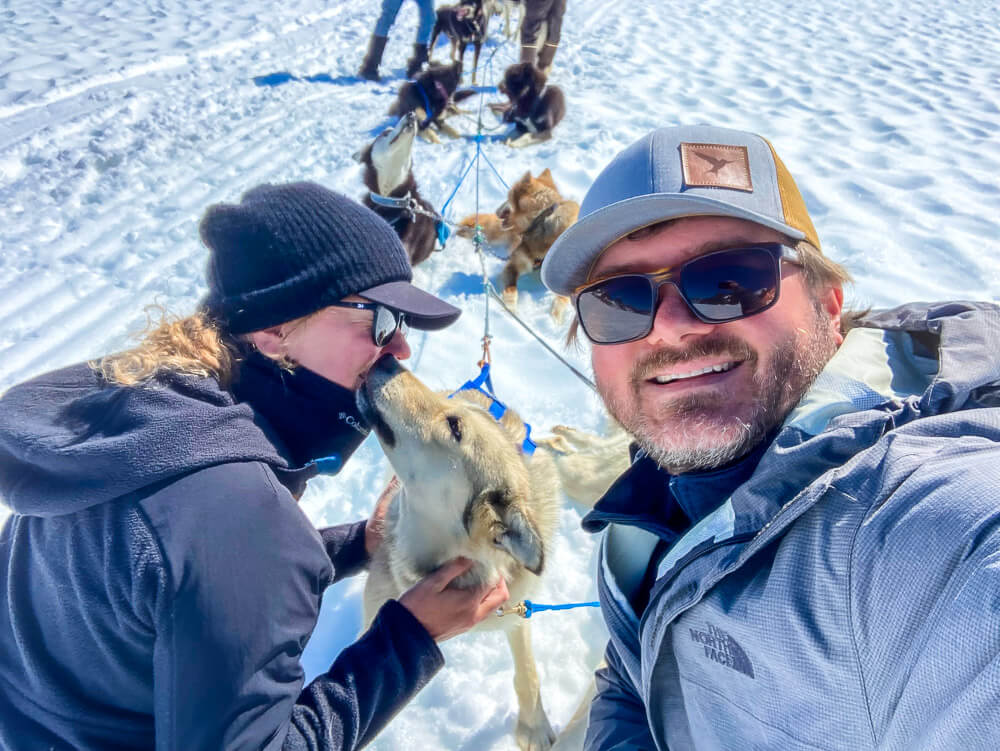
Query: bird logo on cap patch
{"x": 713, "y": 165}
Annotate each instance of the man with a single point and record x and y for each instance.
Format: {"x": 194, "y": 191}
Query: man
{"x": 541, "y": 28}
{"x": 805, "y": 551}
{"x": 159, "y": 579}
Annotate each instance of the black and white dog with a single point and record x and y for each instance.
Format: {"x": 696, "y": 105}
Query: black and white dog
{"x": 463, "y": 24}
{"x": 392, "y": 188}
{"x": 432, "y": 96}
{"x": 534, "y": 108}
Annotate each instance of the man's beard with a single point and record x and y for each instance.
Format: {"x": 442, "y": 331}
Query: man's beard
{"x": 701, "y": 431}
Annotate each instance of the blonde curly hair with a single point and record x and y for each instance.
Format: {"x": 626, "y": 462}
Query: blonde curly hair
{"x": 191, "y": 345}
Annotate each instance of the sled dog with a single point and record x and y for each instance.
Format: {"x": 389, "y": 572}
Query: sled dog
{"x": 463, "y": 24}
{"x": 388, "y": 173}
{"x": 528, "y": 223}
{"x": 534, "y": 108}
{"x": 432, "y": 97}
{"x": 468, "y": 488}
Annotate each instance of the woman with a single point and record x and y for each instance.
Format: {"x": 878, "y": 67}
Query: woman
{"x": 161, "y": 581}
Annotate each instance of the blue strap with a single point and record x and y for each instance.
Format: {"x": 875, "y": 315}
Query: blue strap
{"x": 442, "y": 233}
{"x": 533, "y": 607}
{"x": 497, "y": 407}
{"x": 427, "y": 105}
{"x": 329, "y": 465}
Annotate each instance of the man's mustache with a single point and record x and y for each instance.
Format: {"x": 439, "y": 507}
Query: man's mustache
{"x": 733, "y": 348}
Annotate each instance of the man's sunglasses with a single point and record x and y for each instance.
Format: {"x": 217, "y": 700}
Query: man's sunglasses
{"x": 718, "y": 287}
{"x": 385, "y": 321}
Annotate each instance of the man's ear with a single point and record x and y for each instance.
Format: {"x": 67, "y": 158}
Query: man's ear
{"x": 270, "y": 342}
{"x": 832, "y": 301}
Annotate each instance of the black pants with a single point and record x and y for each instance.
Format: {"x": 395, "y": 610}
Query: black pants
{"x": 536, "y": 13}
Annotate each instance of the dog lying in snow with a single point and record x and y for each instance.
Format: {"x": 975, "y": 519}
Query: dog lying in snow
{"x": 432, "y": 97}
{"x": 528, "y": 223}
{"x": 388, "y": 172}
{"x": 463, "y": 24}
{"x": 534, "y": 108}
{"x": 469, "y": 489}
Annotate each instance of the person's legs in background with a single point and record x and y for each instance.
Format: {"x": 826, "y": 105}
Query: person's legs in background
{"x": 376, "y": 45}
{"x": 553, "y": 28}
{"x": 420, "y": 51}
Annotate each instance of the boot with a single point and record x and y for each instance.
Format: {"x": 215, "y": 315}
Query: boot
{"x": 415, "y": 63}
{"x": 369, "y": 66}
{"x": 545, "y": 58}
{"x": 529, "y": 53}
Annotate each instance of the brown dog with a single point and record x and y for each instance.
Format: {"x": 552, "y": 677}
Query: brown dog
{"x": 464, "y": 24}
{"x": 528, "y": 222}
{"x": 432, "y": 96}
{"x": 533, "y": 107}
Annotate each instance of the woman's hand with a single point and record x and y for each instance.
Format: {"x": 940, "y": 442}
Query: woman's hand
{"x": 375, "y": 528}
{"x": 448, "y": 612}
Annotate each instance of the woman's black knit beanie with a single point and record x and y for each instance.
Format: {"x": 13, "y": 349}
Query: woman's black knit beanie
{"x": 288, "y": 250}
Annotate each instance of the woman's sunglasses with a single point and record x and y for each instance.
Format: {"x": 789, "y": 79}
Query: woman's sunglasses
{"x": 385, "y": 321}
{"x": 718, "y": 287}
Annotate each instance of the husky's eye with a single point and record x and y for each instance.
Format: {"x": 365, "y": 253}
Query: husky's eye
{"x": 455, "y": 424}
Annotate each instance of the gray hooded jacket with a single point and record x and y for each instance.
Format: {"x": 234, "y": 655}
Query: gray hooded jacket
{"x": 846, "y": 596}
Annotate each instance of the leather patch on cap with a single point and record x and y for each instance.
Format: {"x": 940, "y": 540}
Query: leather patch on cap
{"x": 712, "y": 165}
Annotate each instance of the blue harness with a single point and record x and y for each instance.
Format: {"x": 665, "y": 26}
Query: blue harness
{"x": 497, "y": 407}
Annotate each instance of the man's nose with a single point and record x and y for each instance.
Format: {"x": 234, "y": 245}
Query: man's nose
{"x": 398, "y": 347}
{"x": 673, "y": 320}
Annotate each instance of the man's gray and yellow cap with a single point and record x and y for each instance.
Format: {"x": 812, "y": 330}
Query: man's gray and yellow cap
{"x": 677, "y": 172}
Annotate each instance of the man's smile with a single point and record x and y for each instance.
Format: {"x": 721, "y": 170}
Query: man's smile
{"x": 687, "y": 372}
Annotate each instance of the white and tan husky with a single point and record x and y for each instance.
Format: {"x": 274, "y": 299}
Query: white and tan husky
{"x": 468, "y": 489}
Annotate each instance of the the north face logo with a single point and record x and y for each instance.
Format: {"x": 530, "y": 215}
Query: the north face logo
{"x": 723, "y": 649}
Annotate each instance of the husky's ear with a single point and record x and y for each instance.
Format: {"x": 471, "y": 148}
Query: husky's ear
{"x": 356, "y": 156}
{"x": 512, "y": 530}
{"x": 546, "y": 177}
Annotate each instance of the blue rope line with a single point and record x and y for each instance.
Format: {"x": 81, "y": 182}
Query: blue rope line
{"x": 533, "y": 607}
{"x": 495, "y": 172}
{"x": 459, "y": 185}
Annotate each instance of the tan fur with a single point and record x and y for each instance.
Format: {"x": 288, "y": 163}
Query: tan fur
{"x": 522, "y": 224}
{"x": 459, "y": 496}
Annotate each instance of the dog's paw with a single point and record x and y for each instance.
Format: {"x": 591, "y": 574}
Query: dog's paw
{"x": 560, "y": 309}
{"x": 510, "y": 297}
{"x": 535, "y": 736}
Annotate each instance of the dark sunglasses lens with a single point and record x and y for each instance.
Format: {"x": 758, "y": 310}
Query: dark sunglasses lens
{"x": 732, "y": 284}
{"x": 617, "y": 309}
{"x": 384, "y": 326}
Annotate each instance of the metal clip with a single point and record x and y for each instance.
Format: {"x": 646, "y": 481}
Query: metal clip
{"x": 518, "y": 608}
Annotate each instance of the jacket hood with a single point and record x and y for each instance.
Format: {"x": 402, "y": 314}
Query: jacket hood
{"x": 914, "y": 361}
{"x": 68, "y": 440}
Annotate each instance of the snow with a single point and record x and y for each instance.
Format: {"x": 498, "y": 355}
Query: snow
{"x": 121, "y": 121}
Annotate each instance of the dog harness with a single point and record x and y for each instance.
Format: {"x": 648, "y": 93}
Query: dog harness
{"x": 427, "y": 100}
{"x": 497, "y": 407}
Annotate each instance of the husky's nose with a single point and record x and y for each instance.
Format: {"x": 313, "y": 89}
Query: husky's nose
{"x": 408, "y": 119}
{"x": 386, "y": 367}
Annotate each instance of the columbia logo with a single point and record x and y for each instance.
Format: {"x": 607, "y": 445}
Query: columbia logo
{"x": 723, "y": 649}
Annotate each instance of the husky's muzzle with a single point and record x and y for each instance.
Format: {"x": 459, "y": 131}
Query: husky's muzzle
{"x": 382, "y": 372}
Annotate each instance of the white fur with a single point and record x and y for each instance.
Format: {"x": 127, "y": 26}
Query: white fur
{"x": 443, "y": 470}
